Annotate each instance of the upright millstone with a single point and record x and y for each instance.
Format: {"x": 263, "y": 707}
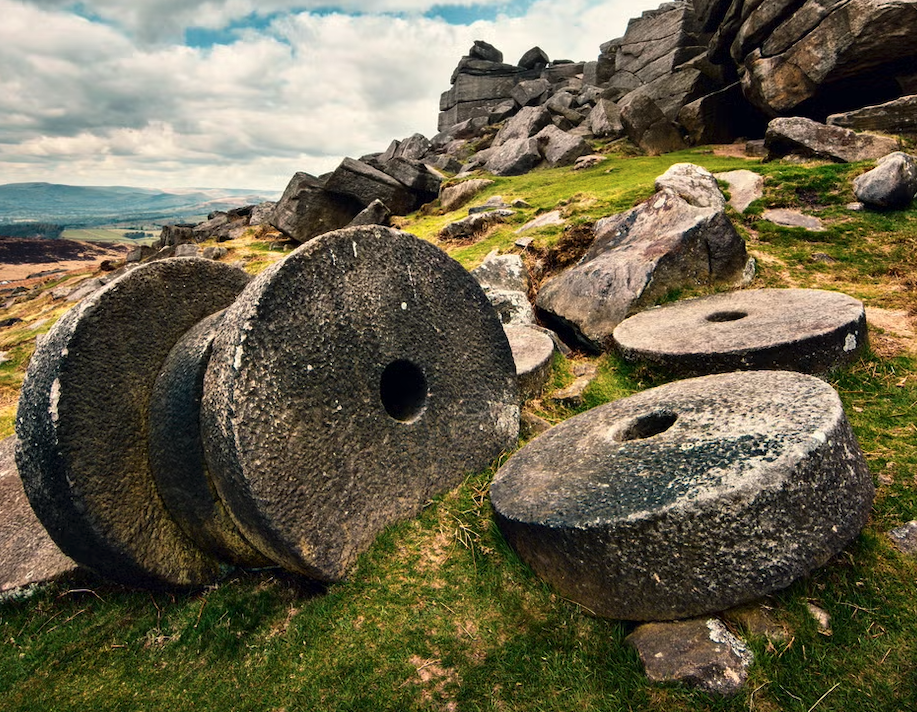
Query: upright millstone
{"x": 807, "y": 330}
{"x": 689, "y": 498}
{"x": 83, "y": 422}
{"x": 349, "y": 384}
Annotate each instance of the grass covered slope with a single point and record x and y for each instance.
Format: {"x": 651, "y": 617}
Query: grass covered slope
{"x": 440, "y": 614}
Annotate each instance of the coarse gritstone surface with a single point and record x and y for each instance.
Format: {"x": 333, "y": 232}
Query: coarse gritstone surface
{"x": 689, "y": 498}
{"x": 349, "y": 384}
{"x": 83, "y": 422}
{"x": 806, "y": 330}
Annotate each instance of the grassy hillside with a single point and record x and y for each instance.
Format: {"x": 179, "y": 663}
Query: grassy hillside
{"x": 440, "y": 614}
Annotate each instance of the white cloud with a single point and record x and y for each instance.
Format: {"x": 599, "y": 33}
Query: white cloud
{"x": 84, "y": 102}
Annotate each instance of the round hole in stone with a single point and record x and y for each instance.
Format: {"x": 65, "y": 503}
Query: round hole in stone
{"x": 646, "y": 426}
{"x": 403, "y": 390}
{"x": 722, "y": 316}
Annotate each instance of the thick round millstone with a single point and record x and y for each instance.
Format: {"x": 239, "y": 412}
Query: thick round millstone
{"x": 349, "y": 384}
{"x": 177, "y": 454}
{"x": 533, "y": 351}
{"x": 83, "y": 422}
{"x": 807, "y": 330}
{"x": 689, "y": 498}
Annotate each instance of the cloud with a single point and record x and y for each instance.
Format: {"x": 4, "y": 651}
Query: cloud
{"x": 85, "y": 101}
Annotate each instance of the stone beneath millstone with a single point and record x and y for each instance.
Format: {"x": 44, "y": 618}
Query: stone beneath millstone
{"x": 808, "y": 330}
{"x": 177, "y": 453}
{"x": 533, "y": 351}
{"x": 83, "y": 422}
{"x": 348, "y": 385}
{"x": 689, "y": 498}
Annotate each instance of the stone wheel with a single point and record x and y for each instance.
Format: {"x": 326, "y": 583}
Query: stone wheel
{"x": 689, "y": 498}
{"x": 348, "y": 385}
{"x": 83, "y": 422}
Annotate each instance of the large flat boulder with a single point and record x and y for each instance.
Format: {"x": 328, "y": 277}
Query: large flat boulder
{"x": 896, "y": 116}
{"x": 515, "y": 157}
{"x": 801, "y": 136}
{"x": 636, "y": 258}
{"x": 689, "y": 498}
{"x": 306, "y": 209}
{"x": 364, "y": 184}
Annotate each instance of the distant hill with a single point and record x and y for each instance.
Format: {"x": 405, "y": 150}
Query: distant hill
{"x": 79, "y": 206}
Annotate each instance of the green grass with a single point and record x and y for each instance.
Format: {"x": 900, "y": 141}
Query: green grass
{"x": 105, "y": 235}
{"x": 441, "y": 615}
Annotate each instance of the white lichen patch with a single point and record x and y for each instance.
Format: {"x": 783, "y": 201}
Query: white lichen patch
{"x": 850, "y": 343}
{"x": 54, "y": 401}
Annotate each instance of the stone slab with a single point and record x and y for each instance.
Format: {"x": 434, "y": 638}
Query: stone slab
{"x": 83, "y": 425}
{"x": 808, "y": 330}
{"x": 27, "y": 554}
{"x": 689, "y": 498}
{"x": 349, "y": 384}
{"x": 745, "y": 187}
{"x": 787, "y": 217}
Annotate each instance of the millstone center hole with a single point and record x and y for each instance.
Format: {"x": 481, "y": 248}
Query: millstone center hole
{"x": 403, "y": 391}
{"x": 646, "y": 426}
{"x": 727, "y": 316}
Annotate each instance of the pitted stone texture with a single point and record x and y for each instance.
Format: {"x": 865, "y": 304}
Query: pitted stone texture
{"x": 83, "y": 422}
{"x": 689, "y": 498}
{"x": 806, "y": 330}
{"x": 177, "y": 453}
{"x": 27, "y": 554}
{"x": 533, "y": 352}
{"x": 349, "y": 384}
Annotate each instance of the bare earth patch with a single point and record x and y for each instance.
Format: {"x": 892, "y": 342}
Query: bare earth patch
{"x": 897, "y": 331}
{"x": 21, "y": 258}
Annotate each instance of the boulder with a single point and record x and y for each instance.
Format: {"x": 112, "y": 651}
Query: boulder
{"x": 694, "y": 184}
{"x": 891, "y": 184}
{"x": 514, "y": 157}
{"x": 512, "y": 307}
{"x": 532, "y": 92}
{"x": 376, "y": 213}
{"x": 506, "y": 272}
{"x": 364, "y": 184}
{"x": 389, "y": 382}
{"x": 261, "y": 213}
{"x": 533, "y": 354}
{"x": 802, "y": 136}
{"x": 637, "y": 257}
{"x": 416, "y": 176}
{"x": 473, "y": 225}
{"x": 187, "y": 250}
{"x": 605, "y": 120}
{"x": 485, "y": 51}
{"x": 83, "y": 422}
{"x": 688, "y": 498}
{"x": 560, "y": 148}
{"x": 790, "y": 217}
{"x": 535, "y": 58}
{"x": 306, "y": 209}
{"x": 647, "y": 126}
{"x": 528, "y": 122}
{"x": 745, "y": 187}
{"x": 806, "y": 330}
{"x": 455, "y": 196}
{"x": 172, "y": 235}
{"x": 700, "y": 653}
{"x": 897, "y": 116}
{"x": 413, "y": 148}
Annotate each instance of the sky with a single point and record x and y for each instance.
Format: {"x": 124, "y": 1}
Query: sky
{"x": 244, "y": 93}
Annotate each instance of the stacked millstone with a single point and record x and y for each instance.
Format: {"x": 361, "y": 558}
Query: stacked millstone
{"x": 163, "y": 439}
{"x": 689, "y": 498}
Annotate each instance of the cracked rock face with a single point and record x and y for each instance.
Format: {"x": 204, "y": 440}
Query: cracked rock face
{"x": 83, "y": 422}
{"x": 351, "y": 383}
{"x": 689, "y": 498}
{"x": 808, "y": 330}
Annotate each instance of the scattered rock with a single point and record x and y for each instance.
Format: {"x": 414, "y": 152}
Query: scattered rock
{"x": 376, "y": 213}
{"x": 555, "y": 217}
{"x": 493, "y": 203}
{"x": 891, "y": 184}
{"x": 455, "y": 196}
{"x": 306, "y": 209}
{"x": 214, "y": 253}
{"x": 694, "y": 184}
{"x": 572, "y": 395}
{"x": 515, "y": 157}
{"x": 745, "y": 187}
{"x": 348, "y": 456}
{"x": 535, "y": 58}
{"x": 502, "y": 272}
{"x": 560, "y": 148}
{"x": 801, "y": 136}
{"x": 806, "y": 330}
{"x": 700, "y": 653}
{"x": 584, "y": 163}
{"x": 897, "y": 116}
{"x": 526, "y": 124}
{"x": 473, "y": 225}
{"x": 757, "y": 475}
{"x": 187, "y": 250}
{"x": 84, "y": 289}
{"x": 822, "y": 618}
{"x": 758, "y": 619}
{"x": 786, "y": 217}
{"x": 532, "y": 425}
{"x": 905, "y": 538}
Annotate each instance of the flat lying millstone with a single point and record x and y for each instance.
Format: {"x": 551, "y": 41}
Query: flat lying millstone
{"x": 83, "y": 422}
{"x": 689, "y": 498}
{"x": 533, "y": 351}
{"x": 177, "y": 454}
{"x": 806, "y": 330}
{"x": 348, "y": 385}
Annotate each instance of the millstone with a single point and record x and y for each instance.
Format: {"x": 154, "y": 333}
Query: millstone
{"x": 83, "y": 422}
{"x": 689, "y": 498}
{"x": 177, "y": 453}
{"x": 806, "y": 330}
{"x": 533, "y": 351}
{"x": 349, "y": 384}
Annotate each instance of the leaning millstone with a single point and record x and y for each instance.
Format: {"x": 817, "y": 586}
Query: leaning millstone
{"x": 83, "y": 424}
{"x": 349, "y": 384}
{"x": 27, "y": 554}
{"x": 177, "y": 453}
{"x": 891, "y": 184}
{"x": 689, "y": 498}
{"x": 701, "y": 653}
{"x": 806, "y": 330}
{"x": 533, "y": 351}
